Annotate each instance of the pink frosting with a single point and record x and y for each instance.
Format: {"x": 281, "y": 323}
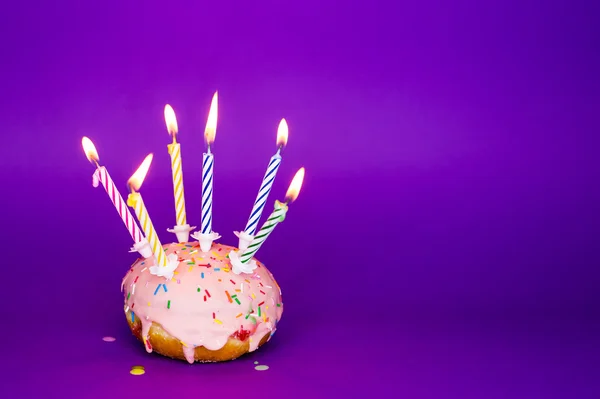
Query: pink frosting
{"x": 205, "y": 302}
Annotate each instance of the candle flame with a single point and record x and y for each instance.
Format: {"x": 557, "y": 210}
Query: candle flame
{"x": 90, "y": 150}
{"x": 171, "y": 120}
{"x": 295, "y": 185}
{"x": 136, "y": 180}
{"x": 282, "y": 133}
{"x": 211, "y": 124}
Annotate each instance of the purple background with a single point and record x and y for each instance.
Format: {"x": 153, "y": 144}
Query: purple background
{"x": 445, "y": 240}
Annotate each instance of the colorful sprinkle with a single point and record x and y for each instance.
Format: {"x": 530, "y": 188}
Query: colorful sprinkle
{"x": 198, "y": 289}
{"x": 232, "y": 282}
{"x": 207, "y": 293}
{"x": 214, "y": 315}
{"x": 128, "y": 295}
{"x": 109, "y": 339}
{"x": 259, "y": 311}
{"x": 132, "y": 316}
{"x": 217, "y": 269}
{"x": 262, "y": 292}
{"x": 165, "y": 287}
{"x": 169, "y": 304}
{"x": 225, "y": 269}
{"x": 262, "y": 303}
{"x": 240, "y": 315}
{"x": 238, "y": 301}
{"x": 228, "y": 297}
{"x": 261, "y": 367}
{"x": 157, "y": 288}
{"x": 202, "y": 274}
{"x": 218, "y": 321}
{"x": 136, "y": 279}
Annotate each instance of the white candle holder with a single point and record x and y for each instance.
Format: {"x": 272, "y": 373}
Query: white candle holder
{"x": 206, "y": 240}
{"x": 143, "y": 247}
{"x": 182, "y": 232}
{"x": 244, "y": 239}
{"x": 238, "y": 267}
{"x": 166, "y": 271}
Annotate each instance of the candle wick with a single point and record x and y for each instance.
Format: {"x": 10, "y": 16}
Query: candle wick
{"x": 208, "y": 150}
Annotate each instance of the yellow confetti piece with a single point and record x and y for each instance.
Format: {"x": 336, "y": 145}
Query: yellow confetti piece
{"x": 226, "y": 269}
{"x": 148, "y": 303}
{"x": 253, "y": 296}
{"x": 218, "y": 321}
{"x": 137, "y": 371}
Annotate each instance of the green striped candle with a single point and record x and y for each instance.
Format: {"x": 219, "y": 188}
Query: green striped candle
{"x": 275, "y": 218}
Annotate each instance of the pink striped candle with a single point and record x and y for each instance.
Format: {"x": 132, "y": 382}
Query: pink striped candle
{"x": 101, "y": 176}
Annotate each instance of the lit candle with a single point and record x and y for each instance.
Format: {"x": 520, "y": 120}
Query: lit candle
{"x": 165, "y": 266}
{"x": 246, "y": 236}
{"x": 206, "y": 236}
{"x": 182, "y": 229}
{"x": 242, "y": 262}
{"x": 101, "y": 176}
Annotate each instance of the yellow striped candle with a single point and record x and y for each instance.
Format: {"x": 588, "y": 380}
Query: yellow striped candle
{"x": 182, "y": 228}
{"x": 137, "y": 203}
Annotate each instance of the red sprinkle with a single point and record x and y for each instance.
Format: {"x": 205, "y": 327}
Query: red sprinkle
{"x": 241, "y": 334}
{"x": 262, "y": 303}
{"x": 262, "y": 292}
{"x": 207, "y": 293}
{"x": 214, "y": 315}
{"x": 232, "y": 282}
{"x": 204, "y": 298}
{"x": 136, "y": 279}
{"x": 132, "y": 305}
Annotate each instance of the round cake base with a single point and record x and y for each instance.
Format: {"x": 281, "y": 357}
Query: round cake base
{"x": 166, "y": 345}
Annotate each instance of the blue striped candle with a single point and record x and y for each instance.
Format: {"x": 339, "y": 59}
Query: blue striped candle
{"x": 208, "y": 161}
{"x": 263, "y": 194}
{"x": 267, "y": 181}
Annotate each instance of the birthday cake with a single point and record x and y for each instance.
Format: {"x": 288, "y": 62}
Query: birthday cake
{"x": 206, "y": 312}
{"x": 198, "y": 301}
